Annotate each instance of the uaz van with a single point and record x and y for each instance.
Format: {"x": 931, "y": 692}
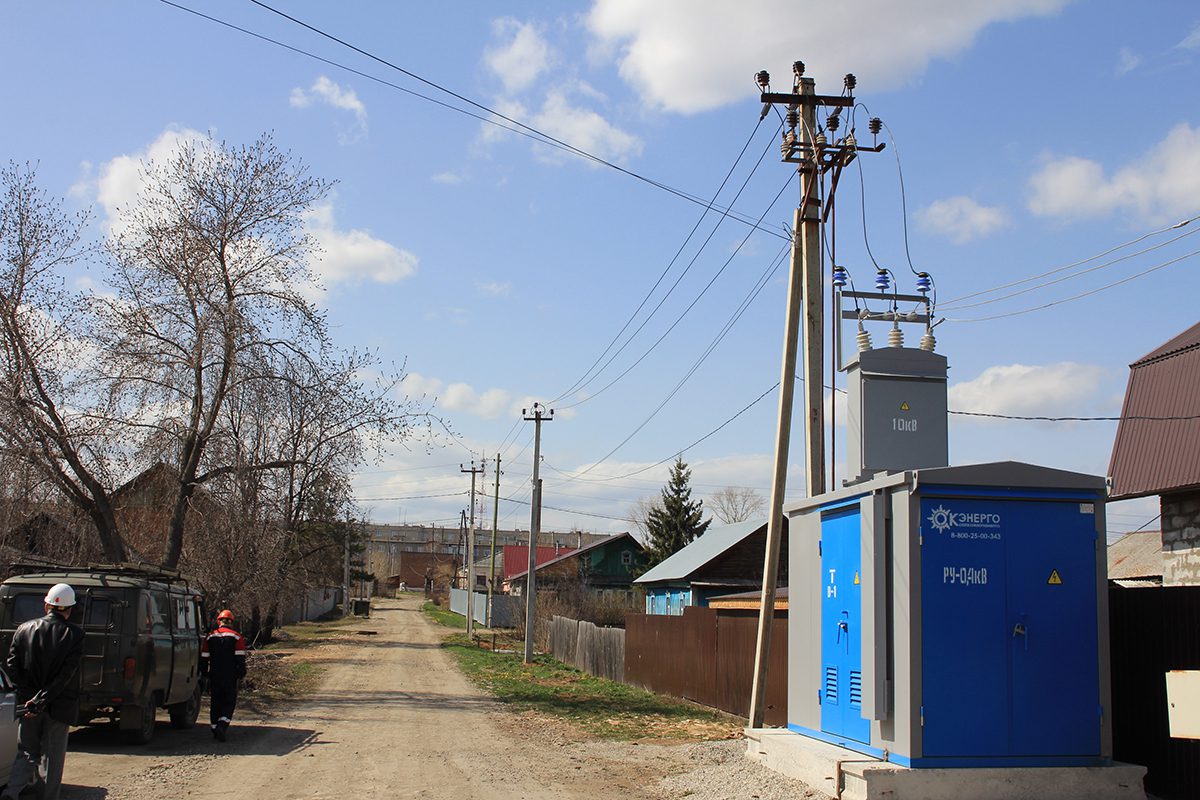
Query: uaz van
{"x": 142, "y": 644}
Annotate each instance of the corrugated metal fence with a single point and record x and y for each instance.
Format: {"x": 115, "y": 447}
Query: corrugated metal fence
{"x": 1154, "y": 630}
{"x": 706, "y": 657}
{"x": 595, "y": 650}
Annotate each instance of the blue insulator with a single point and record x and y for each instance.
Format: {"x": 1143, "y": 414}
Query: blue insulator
{"x": 882, "y": 282}
{"x": 924, "y": 282}
{"x": 840, "y": 277}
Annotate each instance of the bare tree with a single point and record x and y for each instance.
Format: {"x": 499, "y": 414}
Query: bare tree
{"x": 639, "y": 514}
{"x": 737, "y": 504}
{"x": 209, "y": 267}
{"x": 50, "y": 415}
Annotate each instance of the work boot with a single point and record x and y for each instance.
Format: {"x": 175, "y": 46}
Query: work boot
{"x": 222, "y": 727}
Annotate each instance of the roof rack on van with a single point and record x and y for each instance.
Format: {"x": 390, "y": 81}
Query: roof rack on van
{"x": 32, "y": 563}
{"x": 140, "y": 570}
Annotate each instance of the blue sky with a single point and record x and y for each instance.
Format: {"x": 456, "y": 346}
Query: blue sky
{"x": 1031, "y": 135}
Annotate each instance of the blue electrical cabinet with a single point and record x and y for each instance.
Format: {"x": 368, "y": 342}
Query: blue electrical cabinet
{"x": 953, "y": 617}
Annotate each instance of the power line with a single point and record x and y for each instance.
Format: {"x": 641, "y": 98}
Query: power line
{"x": 685, "y": 311}
{"x": 568, "y": 510}
{"x": 1079, "y": 263}
{"x": 585, "y": 380}
{"x": 1132, "y": 417}
{"x": 410, "y": 497}
{"x": 520, "y": 127}
{"x": 1079, "y": 296}
{"x": 1105, "y": 265}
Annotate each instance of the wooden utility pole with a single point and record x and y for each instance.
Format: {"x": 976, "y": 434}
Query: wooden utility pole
{"x": 805, "y": 145}
{"x": 495, "y": 523}
{"x": 535, "y": 416}
{"x": 471, "y": 551}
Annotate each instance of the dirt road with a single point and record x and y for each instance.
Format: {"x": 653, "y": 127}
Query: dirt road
{"x": 393, "y": 718}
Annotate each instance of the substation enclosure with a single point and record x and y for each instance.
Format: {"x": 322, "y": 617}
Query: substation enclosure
{"x": 953, "y": 617}
{"x": 896, "y": 411}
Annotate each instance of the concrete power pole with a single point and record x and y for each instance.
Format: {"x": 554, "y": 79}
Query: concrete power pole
{"x": 535, "y": 416}
{"x": 495, "y": 523}
{"x": 471, "y": 552}
{"x": 805, "y": 145}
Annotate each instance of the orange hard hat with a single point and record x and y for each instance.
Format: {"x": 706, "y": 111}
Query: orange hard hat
{"x": 226, "y": 614}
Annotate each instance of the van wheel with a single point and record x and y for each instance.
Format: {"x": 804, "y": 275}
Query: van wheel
{"x": 185, "y": 714}
{"x": 145, "y": 730}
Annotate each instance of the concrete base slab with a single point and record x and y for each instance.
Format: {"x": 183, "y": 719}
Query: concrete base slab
{"x": 848, "y": 775}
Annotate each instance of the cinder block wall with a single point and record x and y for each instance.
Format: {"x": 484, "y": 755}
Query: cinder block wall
{"x": 1181, "y": 538}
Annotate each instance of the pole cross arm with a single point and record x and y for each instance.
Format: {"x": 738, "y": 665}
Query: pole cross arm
{"x": 789, "y": 99}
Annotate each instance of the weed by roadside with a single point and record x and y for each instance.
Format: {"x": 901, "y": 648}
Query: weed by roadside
{"x": 444, "y": 616}
{"x": 596, "y": 706}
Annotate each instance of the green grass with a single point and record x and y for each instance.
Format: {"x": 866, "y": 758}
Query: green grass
{"x": 597, "y": 706}
{"x": 444, "y": 616}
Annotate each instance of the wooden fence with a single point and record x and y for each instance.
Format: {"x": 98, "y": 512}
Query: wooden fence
{"x": 708, "y": 658}
{"x": 595, "y": 650}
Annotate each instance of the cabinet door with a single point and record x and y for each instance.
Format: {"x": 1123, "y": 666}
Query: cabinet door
{"x": 841, "y": 627}
{"x": 1052, "y": 609}
{"x": 964, "y": 652}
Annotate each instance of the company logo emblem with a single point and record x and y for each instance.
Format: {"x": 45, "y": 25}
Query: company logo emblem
{"x": 942, "y": 519}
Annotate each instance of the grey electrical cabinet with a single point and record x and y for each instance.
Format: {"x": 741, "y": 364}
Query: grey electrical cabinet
{"x": 896, "y": 412}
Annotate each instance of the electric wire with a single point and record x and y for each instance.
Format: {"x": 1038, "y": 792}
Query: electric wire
{"x": 537, "y": 134}
{"x": 688, "y": 309}
{"x": 681, "y": 276}
{"x": 1104, "y": 265}
{"x": 583, "y": 381}
{"x": 903, "y": 198}
{"x": 1079, "y": 296}
{"x": 1056, "y": 270}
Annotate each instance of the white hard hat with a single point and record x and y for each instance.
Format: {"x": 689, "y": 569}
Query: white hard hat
{"x": 60, "y": 596}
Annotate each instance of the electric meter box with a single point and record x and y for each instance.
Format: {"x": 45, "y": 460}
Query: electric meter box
{"x": 896, "y": 411}
{"x": 953, "y": 617}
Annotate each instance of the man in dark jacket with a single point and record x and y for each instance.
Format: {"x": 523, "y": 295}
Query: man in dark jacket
{"x": 223, "y": 660}
{"x": 43, "y": 661}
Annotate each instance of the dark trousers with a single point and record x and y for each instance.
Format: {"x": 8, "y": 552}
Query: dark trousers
{"x": 41, "y": 751}
{"x": 223, "y": 699}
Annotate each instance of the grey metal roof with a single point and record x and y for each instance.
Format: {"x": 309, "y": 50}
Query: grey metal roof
{"x": 713, "y": 543}
{"x": 1157, "y": 456}
{"x": 1136, "y": 555}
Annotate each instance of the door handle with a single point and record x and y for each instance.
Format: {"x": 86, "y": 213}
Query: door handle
{"x": 1021, "y": 630}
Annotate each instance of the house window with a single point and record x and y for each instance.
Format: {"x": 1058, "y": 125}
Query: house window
{"x": 626, "y": 557}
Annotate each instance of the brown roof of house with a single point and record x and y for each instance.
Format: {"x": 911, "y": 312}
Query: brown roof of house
{"x": 1136, "y": 555}
{"x": 1157, "y": 456}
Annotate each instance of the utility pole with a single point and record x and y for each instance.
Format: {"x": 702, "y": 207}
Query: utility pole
{"x": 495, "y": 523}
{"x": 805, "y": 145}
{"x": 536, "y": 416}
{"x": 471, "y": 551}
{"x": 346, "y": 577}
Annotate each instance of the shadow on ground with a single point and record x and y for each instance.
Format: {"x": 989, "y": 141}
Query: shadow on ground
{"x": 249, "y": 738}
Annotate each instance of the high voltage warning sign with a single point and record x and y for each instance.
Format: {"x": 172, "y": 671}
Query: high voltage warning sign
{"x": 1055, "y": 579}
{"x": 904, "y": 406}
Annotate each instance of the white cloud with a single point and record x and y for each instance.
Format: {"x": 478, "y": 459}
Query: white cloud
{"x": 1191, "y": 41}
{"x": 1063, "y": 389}
{"x": 494, "y": 288}
{"x": 693, "y": 55}
{"x": 355, "y": 255}
{"x": 448, "y": 178}
{"x": 1160, "y": 186}
{"x": 1127, "y": 61}
{"x": 961, "y": 219}
{"x": 120, "y": 179}
{"x": 522, "y": 57}
{"x": 582, "y": 128}
{"x": 331, "y": 94}
{"x": 415, "y": 384}
{"x": 488, "y": 404}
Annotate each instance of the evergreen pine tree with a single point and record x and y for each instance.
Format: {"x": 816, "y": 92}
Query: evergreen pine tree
{"x": 675, "y": 521}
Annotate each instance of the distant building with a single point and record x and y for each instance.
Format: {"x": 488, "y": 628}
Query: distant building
{"x": 1157, "y": 449}
{"x": 724, "y": 560}
{"x": 606, "y": 565}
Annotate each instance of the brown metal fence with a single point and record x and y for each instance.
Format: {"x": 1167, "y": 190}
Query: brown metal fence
{"x": 1153, "y": 631}
{"x": 706, "y": 657}
{"x": 595, "y": 650}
